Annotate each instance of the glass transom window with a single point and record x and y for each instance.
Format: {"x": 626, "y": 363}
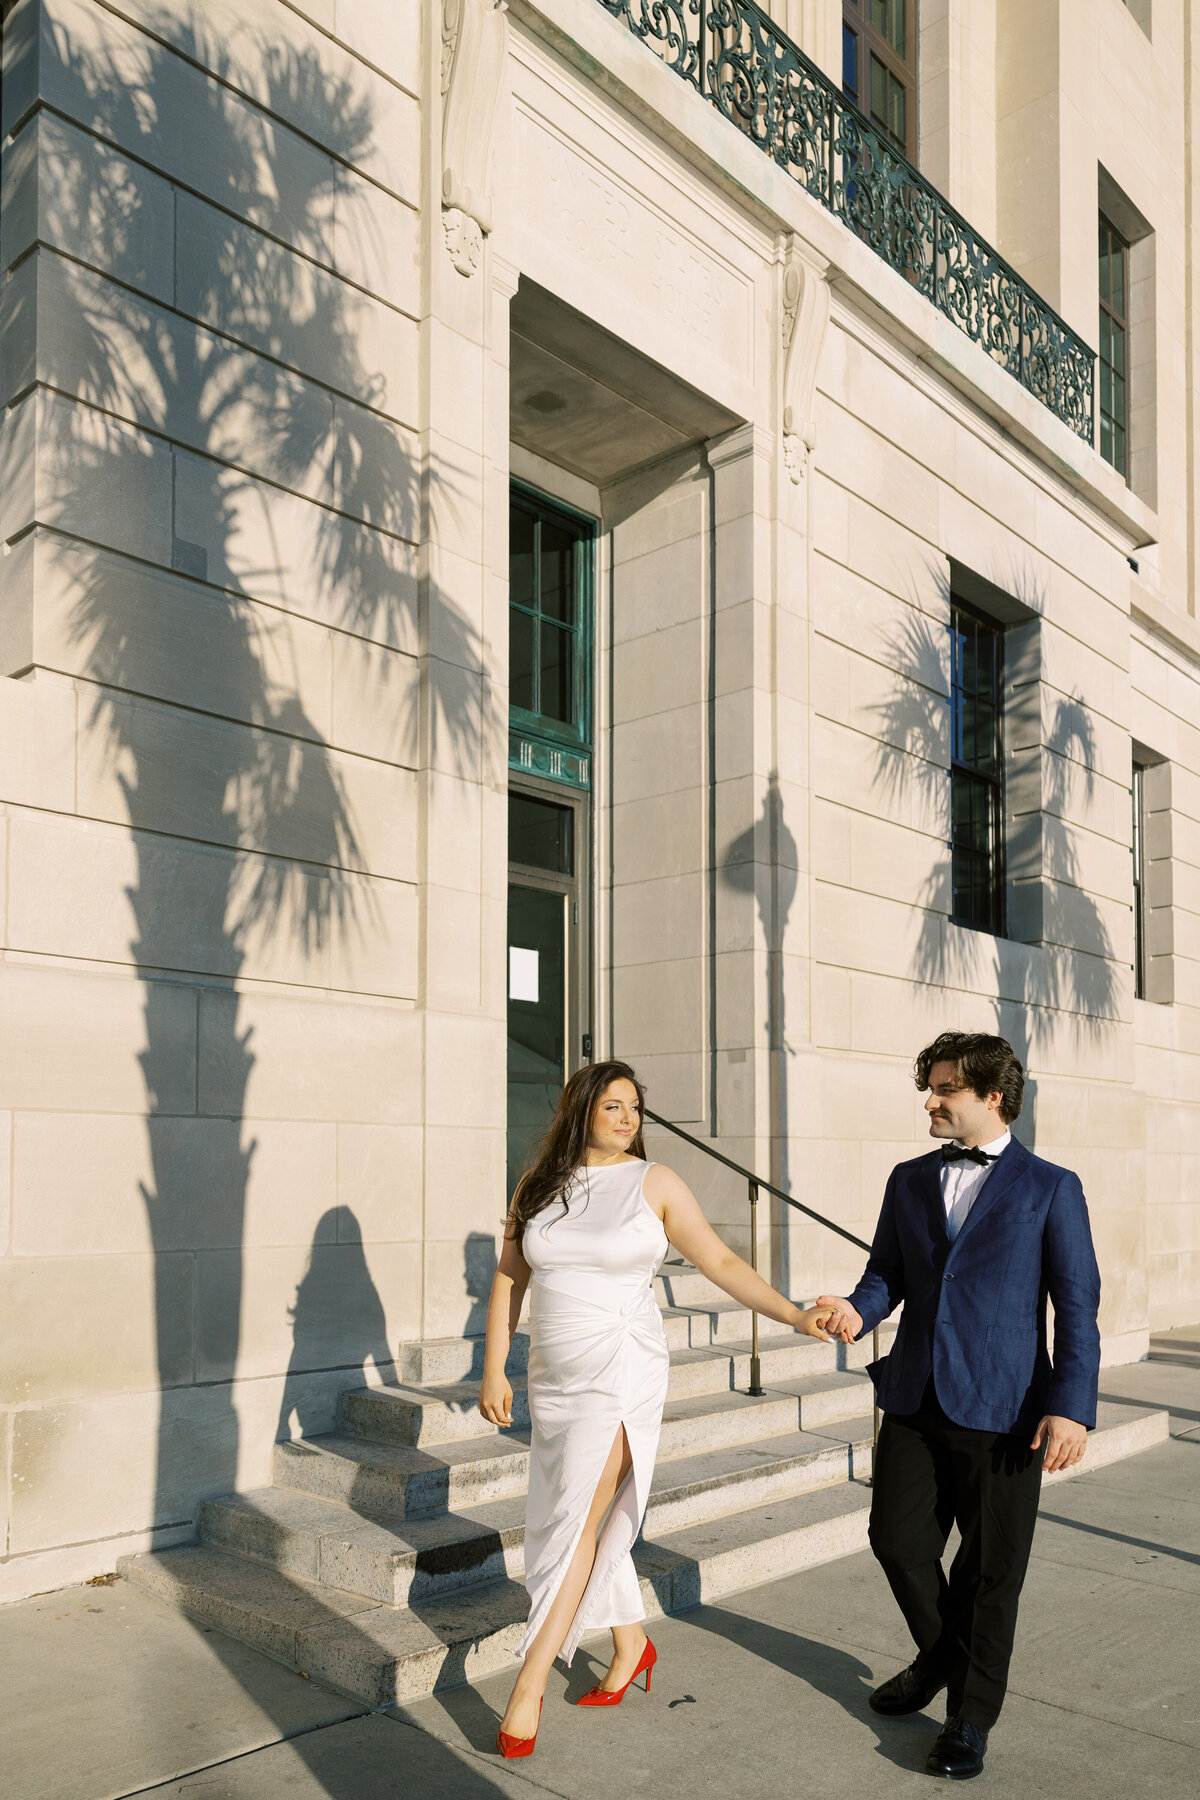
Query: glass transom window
{"x": 549, "y": 639}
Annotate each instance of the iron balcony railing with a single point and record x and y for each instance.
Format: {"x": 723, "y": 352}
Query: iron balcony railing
{"x": 754, "y": 1183}
{"x": 736, "y": 57}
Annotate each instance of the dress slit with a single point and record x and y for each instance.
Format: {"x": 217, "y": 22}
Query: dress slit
{"x": 593, "y": 1591}
{"x": 598, "y": 1368}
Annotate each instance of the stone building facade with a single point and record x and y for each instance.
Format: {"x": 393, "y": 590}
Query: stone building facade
{"x": 526, "y": 536}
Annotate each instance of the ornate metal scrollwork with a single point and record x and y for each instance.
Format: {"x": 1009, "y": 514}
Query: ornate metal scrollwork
{"x": 671, "y": 27}
{"x": 738, "y": 58}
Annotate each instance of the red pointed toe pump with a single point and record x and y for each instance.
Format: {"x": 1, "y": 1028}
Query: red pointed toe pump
{"x": 597, "y": 1696}
{"x": 515, "y": 1746}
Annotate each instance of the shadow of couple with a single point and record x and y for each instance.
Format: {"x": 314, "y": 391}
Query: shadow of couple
{"x": 824, "y": 1669}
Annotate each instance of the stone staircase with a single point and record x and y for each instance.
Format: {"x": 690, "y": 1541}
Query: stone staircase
{"x": 386, "y": 1558}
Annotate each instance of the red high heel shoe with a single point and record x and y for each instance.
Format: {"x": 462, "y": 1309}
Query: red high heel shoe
{"x": 598, "y": 1696}
{"x": 515, "y": 1746}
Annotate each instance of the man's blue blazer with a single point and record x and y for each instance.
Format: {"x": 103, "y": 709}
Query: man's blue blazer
{"x": 975, "y": 1310}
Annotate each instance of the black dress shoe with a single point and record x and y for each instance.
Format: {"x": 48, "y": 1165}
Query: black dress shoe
{"x": 908, "y": 1692}
{"x": 958, "y": 1752}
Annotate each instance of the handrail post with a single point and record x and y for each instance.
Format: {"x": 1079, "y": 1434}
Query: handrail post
{"x": 756, "y": 1386}
{"x": 875, "y": 1440}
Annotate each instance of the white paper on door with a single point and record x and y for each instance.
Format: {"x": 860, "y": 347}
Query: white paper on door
{"x": 522, "y": 974}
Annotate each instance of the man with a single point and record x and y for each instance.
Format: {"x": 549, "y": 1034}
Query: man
{"x": 972, "y": 1239}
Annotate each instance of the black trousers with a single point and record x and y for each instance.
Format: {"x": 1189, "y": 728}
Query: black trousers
{"x": 929, "y": 1475}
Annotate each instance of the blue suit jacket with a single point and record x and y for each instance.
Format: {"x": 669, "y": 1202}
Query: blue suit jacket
{"x": 975, "y": 1310}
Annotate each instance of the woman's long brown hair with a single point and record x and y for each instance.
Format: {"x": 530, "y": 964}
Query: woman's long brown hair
{"x": 565, "y": 1146}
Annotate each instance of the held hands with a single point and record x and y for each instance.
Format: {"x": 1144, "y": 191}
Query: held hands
{"x": 1065, "y": 1443}
{"x": 812, "y": 1322}
{"x": 495, "y": 1399}
{"x": 843, "y": 1321}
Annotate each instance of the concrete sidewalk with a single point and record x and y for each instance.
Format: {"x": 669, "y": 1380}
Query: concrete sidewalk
{"x": 104, "y": 1692}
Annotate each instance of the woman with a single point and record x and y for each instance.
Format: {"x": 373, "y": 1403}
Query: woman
{"x": 590, "y": 1223}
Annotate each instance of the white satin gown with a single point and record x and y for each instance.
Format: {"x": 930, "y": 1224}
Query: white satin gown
{"x": 598, "y": 1360}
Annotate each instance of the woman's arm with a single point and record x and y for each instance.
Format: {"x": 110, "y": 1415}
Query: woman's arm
{"x": 504, "y": 1309}
{"x": 690, "y": 1232}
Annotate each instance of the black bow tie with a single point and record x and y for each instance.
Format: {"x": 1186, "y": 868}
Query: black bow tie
{"x": 956, "y": 1152}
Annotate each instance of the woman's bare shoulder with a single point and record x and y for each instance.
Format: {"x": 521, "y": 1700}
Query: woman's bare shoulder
{"x": 662, "y": 1183}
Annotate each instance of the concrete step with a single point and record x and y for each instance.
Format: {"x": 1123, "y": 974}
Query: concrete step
{"x": 424, "y": 1418}
{"x": 696, "y": 1314}
{"x": 382, "y": 1653}
{"x": 377, "y": 1653}
{"x": 696, "y": 1327}
{"x": 707, "y": 1422}
{"x": 690, "y": 1489}
{"x": 718, "y": 1368}
{"x": 396, "y": 1481}
{"x": 396, "y": 1562}
{"x": 431, "y": 1362}
{"x": 1179, "y": 1346}
{"x": 393, "y": 1481}
{"x": 402, "y": 1561}
{"x": 679, "y": 1284}
{"x": 428, "y": 1362}
{"x": 420, "y": 1418}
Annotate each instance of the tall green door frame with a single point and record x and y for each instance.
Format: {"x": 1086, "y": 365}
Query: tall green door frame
{"x": 551, "y": 598}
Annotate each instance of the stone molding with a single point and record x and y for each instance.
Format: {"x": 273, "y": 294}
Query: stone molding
{"x": 474, "y": 48}
{"x": 804, "y": 298}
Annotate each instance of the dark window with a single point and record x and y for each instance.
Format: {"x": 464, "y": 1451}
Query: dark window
{"x": 1139, "y": 871}
{"x": 540, "y": 834}
{"x": 1114, "y": 346}
{"x": 976, "y": 771}
{"x": 879, "y": 66}
{"x": 850, "y": 62}
{"x": 549, "y": 572}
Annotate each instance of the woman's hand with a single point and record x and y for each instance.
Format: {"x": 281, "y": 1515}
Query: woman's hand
{"x": 495, "y": 1399}
{"x": 847, "y": 1322}
{"x": 813, "y": 1320}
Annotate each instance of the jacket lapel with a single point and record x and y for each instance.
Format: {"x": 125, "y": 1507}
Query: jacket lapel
{"x": 1008, "y": 1170}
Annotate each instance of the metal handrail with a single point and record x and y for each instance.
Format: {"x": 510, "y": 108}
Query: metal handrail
{"x": 754, "y": 1183}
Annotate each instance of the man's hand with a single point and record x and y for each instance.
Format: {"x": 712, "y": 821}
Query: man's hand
{"x": 1065, "y": 1443}
{"x": 813, "y": 1322}
{"x": 843, "y": 1322}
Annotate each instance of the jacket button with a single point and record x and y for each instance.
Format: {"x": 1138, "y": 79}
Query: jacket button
{"x": 947, "y": 1278}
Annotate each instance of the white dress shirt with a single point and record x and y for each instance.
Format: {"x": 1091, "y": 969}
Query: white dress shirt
{"x": 961, "y": 1182}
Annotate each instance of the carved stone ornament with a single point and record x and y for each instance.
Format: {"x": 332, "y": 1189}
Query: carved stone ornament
{"x": 474, "y": 47}
{"x": 805, "y": 314}
{"x": 464, "y": 240}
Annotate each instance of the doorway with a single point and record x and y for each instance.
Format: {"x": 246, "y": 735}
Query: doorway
{"x": 547, "y": 960}
{"x": 551, "y": 569}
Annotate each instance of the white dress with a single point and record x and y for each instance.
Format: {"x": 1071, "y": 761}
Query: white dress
{"x": 597, "y": 1360}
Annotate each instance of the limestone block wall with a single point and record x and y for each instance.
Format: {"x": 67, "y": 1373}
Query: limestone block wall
{"x": 211, "y": 1053}
{"x": 1165, "y": 702}
{"x": 911, "y": 491}
{"x": 659, "y": 753}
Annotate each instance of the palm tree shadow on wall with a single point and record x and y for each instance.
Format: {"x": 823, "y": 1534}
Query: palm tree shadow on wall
{"x": 769, "y": 841}
{"x": 247, "y": 856}
{"x": 1064, "y": 978}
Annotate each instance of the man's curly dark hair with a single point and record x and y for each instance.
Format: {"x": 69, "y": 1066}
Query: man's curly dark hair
{"x": 987, "y": 1064}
